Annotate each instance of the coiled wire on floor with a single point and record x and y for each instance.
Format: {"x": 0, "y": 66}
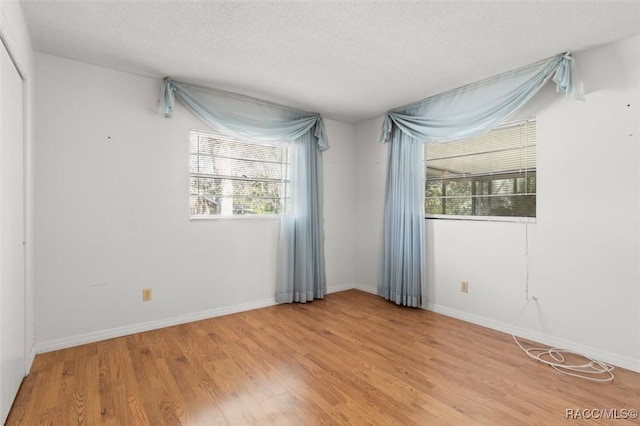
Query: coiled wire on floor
{"x": 593, "y": 370}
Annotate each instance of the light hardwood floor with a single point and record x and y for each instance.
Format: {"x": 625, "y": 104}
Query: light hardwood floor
{"x": 351, "y": 358}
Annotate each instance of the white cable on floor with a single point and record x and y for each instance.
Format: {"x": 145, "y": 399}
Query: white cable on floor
{"x": 554, "y": 357}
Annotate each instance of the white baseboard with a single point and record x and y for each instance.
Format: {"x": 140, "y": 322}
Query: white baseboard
{"x": 598, "y": 354}
{"x": 352, "y": 286}
{"x": 366, "y": 288}
{"x": 339, "y": 288}
{"x": 30, "y": 357}
{"x": 97, "y": 336}
{"x": 68, "y": 342}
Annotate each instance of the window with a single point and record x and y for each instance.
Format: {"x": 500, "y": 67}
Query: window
{"x": 231, "y": 177}
{"x": 489, "y": 175}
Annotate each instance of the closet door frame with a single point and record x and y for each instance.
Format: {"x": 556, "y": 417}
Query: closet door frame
{"x": 13, "y": 230}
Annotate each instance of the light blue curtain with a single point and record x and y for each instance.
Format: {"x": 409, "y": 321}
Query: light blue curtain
{"x": 464, "y": 112}
{"x": 240, "y": 116}
{"x": 301, "y": 267}
{"x": 301, "y": 273}
{"x": 403, "y": 231}
{"x": 479, "y": 107}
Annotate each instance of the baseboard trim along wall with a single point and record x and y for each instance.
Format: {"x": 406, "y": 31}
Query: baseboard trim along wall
{"x": 67, "y": 342}
{"x": 366, "y": 288}
{"x": 352, "y": 286}
{"x": 339, "y": 288}
{"x": 600, "y": 355}
{"x": 82, "y": 339}
{"x": 30, "y": 357}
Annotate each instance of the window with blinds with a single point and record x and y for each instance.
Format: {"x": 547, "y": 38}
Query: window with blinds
{"x": 489, "y": 175}
{"x": 231, "y": 177}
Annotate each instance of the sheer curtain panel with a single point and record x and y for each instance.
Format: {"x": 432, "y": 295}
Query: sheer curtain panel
{"x": 403, "y": 231}
{"x": 301, "y": 272}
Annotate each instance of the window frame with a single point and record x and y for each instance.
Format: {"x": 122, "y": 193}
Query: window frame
{"x": 474, "y": 178}
{"x": 242, "y": 217}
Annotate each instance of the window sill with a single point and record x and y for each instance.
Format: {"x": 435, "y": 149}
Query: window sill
{"x": 512, "y": 219}
{"x": 266, "y": 217}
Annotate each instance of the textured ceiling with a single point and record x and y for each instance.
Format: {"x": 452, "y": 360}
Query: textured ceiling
{"x": 349, "y": 60}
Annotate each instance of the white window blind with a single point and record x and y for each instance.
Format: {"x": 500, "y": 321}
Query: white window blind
{"x": 231, "y": 177}
{"x": 489, "y": 175}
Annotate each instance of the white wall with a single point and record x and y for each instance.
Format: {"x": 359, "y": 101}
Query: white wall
{"x": 15, "y": 36}
{"x": 371, "y": 170}
{"x": 112, "y": 213}
{"x": 585, "y": 245}
{"x": 339, "y": 205}
{"x": 638, "y": 331}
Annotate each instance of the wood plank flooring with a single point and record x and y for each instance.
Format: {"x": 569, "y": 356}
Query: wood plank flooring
{"x": 351, "y": 358}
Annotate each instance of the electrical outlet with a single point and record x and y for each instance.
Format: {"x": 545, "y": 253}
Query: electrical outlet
{"x": 146, "y": 294}
{"x": 464, "y": 287}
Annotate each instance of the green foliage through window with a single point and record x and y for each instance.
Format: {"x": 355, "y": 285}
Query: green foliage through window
{"x": 490, "y": 175}
{"x": 230, "y": 177}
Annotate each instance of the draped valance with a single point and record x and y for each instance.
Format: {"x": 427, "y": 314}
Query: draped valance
{"x": 479, "y": 107}
{"x": 242, "y": 116}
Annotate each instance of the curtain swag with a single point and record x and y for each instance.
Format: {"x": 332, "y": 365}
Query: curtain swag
{"x": 479, "y": 107}
{"x": 241, "y": 116}
{"x": 464, "y": 112}
{"x": 301, "y": 266}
